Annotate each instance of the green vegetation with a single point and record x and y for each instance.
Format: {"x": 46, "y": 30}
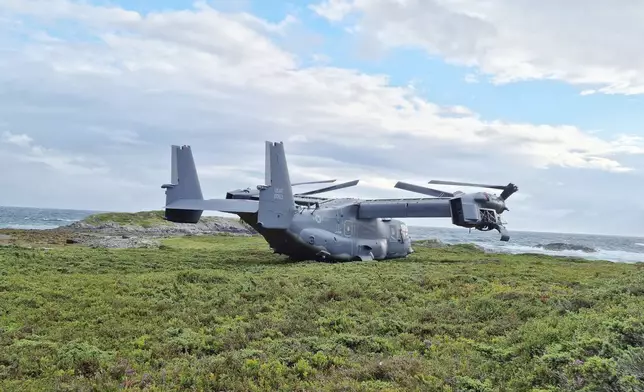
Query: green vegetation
{"x": 143, "y": 218}
{"x": 147, "y": 219}
{"x": 224, "y": 313}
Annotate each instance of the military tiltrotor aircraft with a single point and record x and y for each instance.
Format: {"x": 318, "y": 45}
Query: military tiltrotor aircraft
{"x": 306, "y": 227}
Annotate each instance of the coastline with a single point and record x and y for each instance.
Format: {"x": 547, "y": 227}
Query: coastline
{"x": 123, "y": 230}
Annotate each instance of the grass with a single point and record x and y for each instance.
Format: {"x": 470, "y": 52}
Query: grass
{"x": 223, "y": 313}
{"x": 143, "y": 218}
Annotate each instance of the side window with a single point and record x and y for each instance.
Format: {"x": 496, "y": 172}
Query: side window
{"x": 348, "y": 226}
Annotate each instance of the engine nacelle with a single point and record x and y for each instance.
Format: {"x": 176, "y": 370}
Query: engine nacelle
{"x": 182, "y": 216}
{"x": 466, "y": 213}
{"x": 470, "y": 214}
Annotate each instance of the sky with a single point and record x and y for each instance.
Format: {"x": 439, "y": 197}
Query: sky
{"x": 541, "y": 94}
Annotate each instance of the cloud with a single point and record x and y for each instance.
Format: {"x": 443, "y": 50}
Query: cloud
{"x": 123, "y": 136}
{"x": 109, "y": 100}
{"x": 21, "y": 140}
{"x": 64, "y": 163}
{"x": 593, "y": 43}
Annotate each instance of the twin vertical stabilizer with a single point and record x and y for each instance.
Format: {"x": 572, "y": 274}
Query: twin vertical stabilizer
{"x": 184, "y": 186}
{"x": 184, "y": 200}
{"x": 276, "y": 202}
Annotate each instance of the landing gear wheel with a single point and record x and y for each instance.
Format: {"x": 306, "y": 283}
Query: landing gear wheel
{"x": 323, "y": 257}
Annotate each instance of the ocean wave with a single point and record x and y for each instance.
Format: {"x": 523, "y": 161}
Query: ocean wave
{"x": 618, "y": 256}
{"x": 39, "y": 219}
{"x": 562, "y": 246}
{"x": 19, "y": 226}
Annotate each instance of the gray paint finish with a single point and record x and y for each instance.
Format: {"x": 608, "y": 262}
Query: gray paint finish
{"x": 306, "y": 227}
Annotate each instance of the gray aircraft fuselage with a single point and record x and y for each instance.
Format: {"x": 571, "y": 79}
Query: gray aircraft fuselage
{"x": 306, "y": 227}
{"x": 332, "y": 229}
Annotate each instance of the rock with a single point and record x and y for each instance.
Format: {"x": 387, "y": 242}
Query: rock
{"x": 431, "y": 243}
{"x": 208, "y": 225}
{"x": 470, "y": 247}
{"x": 560, "y": 246}
{"x": 145, "y": 231}
{"x": 434, "y": 243}
{"x": 117, "y": 242}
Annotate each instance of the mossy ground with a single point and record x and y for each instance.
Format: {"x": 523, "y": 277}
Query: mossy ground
{"x": 223, "y": 313}
{"x": 147, "y": 219}
{"x": 143, "y": 218}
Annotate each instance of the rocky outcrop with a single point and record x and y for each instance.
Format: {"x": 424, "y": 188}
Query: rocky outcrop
{"x": 120, "y": 242}
{"x": 138, "y": 231}
{"x": 435, "y": 243}
{"x": 560, "y": 246}
{"x": 430, "y": 243}
{"x": 209, "y": 225}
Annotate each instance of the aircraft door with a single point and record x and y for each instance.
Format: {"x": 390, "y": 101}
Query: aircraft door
{"x": 396, "y": 244}
{"x": 394, "y": 233}
{"x": 349, "y": 232}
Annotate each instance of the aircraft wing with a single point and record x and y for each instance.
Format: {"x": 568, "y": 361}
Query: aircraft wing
{"x": 307, "y": 200}
{"x": 405, "y": 208}
{"x": 223, "y": 205}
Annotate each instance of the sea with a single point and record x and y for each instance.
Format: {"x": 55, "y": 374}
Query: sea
{"x": 610, "y": 248}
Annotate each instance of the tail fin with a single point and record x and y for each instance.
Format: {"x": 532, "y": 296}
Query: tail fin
{"x": 184, "y": 184}
{"x": 276, "y": 202}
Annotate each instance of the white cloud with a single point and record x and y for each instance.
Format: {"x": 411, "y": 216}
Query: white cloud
{"x": 21, "y": 140}
{"x": 65, "y": 163}
{"x": 590, "y": 43}
{"x": 123, "y": 136}
{"x": 128, "y": 85}
{"x": 227, "y": 59}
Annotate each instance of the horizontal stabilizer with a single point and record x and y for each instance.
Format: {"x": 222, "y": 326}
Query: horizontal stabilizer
{"x": 423, "y": 190}
{"x": 331, "y": 188}
{"x": 223, "y": 205}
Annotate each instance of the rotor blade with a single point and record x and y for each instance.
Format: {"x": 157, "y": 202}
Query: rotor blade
{"x": 312, "y": 182}
{"x": 330, "y": 188}
{"x": 421, "y": 189}
{"x": 466, "y": 184}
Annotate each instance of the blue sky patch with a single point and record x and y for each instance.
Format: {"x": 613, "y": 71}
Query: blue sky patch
{"x": 540, "y": 102}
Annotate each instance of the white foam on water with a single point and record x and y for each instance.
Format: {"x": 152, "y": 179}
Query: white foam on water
{"x": 26, "y": 227}
{"x": 618, "y": 256}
